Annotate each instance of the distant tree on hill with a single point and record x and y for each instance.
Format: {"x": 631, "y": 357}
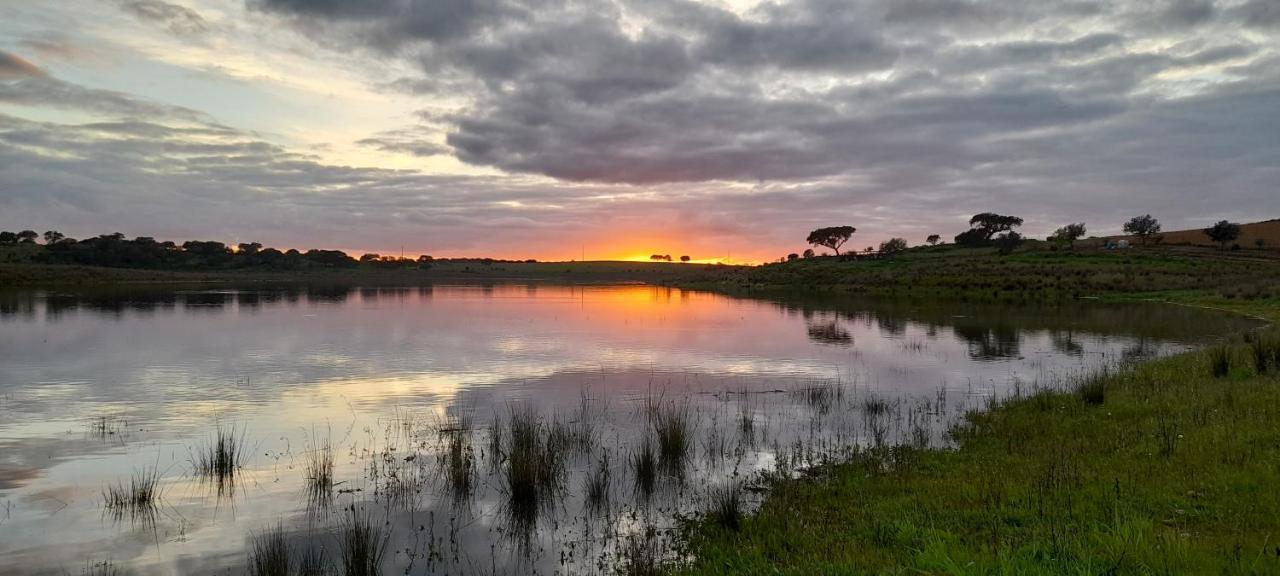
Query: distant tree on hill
{"x": 660, "y": 257}
{"x": 893, "y": 246}
{"x": 1008, "y": 241}
{"x": 370, "y": 257}
{"x": 1223, "y": 233}
{"x": 248, "y": 248}
{"x": 808, "y": 253}
{"x": 1142, "y": 226}
{"x": 833, "y": 237}
{"x": 28, "y": 236}
{"x": 52, "y": 237}
{"x": 983, "y": 227}
{"x": 1068, "y": 234}
{"x": 685, "y": 258}
{"x": 7, "y": 237}
{"x": 933, "y": 239}
{"x": 792, "y": 256}
{"x": 870, "y": 249}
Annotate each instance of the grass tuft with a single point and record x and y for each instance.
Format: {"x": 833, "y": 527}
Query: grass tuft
{"x": 269, "y": 553}
{"x": 363, "y": 544}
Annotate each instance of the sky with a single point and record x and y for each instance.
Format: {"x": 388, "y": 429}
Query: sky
{"x": 559, "y": 129}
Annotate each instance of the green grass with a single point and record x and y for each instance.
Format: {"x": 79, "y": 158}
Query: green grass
{"x": 1168, "y": 467}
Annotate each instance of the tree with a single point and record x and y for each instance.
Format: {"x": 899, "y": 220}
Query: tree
{"x": 893, "y": 246}
{"x": 370, "y": 257}
{"x": 660, "y": 257}
{"x": 1223, "y": 232}
{"x": 1068, "y": 234}
{"x": 685, "y": 258}
{"x": 808, "y": 253}
{"x": 933, "y": 239}
{"x": 833, "y": 237}
{"x": 28, "y": 236}
{"x": 1142, "y": 227}
{"x": 1008, "y": 241}
{"x": 983, "y": 227}
{"x": 248, "y": 248}
{"x": 52, "y": 237}
{"x": 8, "y": 238}
{"x": 792, "y": 256}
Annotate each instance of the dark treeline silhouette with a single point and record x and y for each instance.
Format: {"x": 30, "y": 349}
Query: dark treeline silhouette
{"x": 116, "y": 251}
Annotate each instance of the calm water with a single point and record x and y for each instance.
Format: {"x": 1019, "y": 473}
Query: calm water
{"x": 97, "y": 387}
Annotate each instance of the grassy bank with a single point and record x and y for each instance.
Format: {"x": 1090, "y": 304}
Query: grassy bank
{"x": 1032, "y": 274}
{"x": 1168, "y": 467}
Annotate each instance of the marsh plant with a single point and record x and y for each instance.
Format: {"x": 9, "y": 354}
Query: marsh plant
{"x": 138, "y": 500}
{"x": 598, "y": 485}
{"x": 269, "y": 553}
{"x": 534, "y": 467}
{"x": 319, "y": 475}
{"x": 726, "y": 506}
{"x": 220, "y": 459}
{"x": 673, "y": 429}
{"x": 362, "y": 544}
{"x": 644, "y": 468}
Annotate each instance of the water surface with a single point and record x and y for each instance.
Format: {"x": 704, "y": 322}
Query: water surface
{"x": 95, "y": 387}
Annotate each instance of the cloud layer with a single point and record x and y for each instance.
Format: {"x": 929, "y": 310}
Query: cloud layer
{"x": 901, "y": 117}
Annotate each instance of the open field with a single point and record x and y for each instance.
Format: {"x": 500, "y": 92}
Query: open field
{"x": 1268, "y": 231}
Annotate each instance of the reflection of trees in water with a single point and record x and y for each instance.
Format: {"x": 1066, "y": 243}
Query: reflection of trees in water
{"x": 892, "y": 325}
{"x": 1064, "y": 341}
{"x": 829, "y": 332}
{"x": 1139, "y": 350}
{"x": 990, "y": 343}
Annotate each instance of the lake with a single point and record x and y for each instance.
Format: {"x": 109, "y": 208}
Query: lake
{"x": 616, "y": 409}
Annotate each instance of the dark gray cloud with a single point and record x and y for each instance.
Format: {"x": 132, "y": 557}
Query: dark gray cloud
{"x": 679, "y": 91}
{"x": 173, "y": 17}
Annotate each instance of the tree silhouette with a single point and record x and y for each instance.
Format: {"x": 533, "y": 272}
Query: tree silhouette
{"x": 1142, "y": 227}
{"x": 1223, "y": 232}
{"x": 933, "y": 239}
{"x": 52, "y": 237}
{"x": 983, "y": 227}
{"x": 1068, "y": 234}
{"x": 833, "y": 237}
{"x": 685, "y": 258}
{"x": 893, "y": 246}
{"x": 28, "y": 236}
{"x": 660, "y": 257}
{"x": 808, "y": 253}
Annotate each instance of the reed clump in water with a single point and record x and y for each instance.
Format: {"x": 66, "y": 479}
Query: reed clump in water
{"x": 534, "y": 467}
{"x": 269, "y": 553}
{"x": 673, "y": 429}
{"x": 221, "y": 458}
{"x": 138, "y": 500}
{"x": 363, "y": 545}
{"x": 319, "y": 475}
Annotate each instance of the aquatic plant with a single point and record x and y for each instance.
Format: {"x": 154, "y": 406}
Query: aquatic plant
{"x": 362, "y": 545}
{"x": 269, "y": 553}
{"x": 726, "y": 506}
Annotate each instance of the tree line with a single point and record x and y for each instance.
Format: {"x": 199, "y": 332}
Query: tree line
{"x": 117, "y": 251}
{"x": 990, "y": 229}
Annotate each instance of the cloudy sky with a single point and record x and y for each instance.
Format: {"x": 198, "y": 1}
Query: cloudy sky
{"x": 542, "y": 129}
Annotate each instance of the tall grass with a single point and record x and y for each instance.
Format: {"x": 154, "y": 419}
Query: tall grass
{"x": 1220, "y": 360}
{"x": 534, "y": 468}
{"x": 269, "y": 553}
{"x": 363, "y": 545}
{"x": 726, "y": 506}
{"x": 220, "y": 459}
{"x": 319, "y": 474}
{"x": 598, "y": 485}
{"x": 673, "y": 429}
{"x": 136, "y": 500}
{"x": 644, "y": 468}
